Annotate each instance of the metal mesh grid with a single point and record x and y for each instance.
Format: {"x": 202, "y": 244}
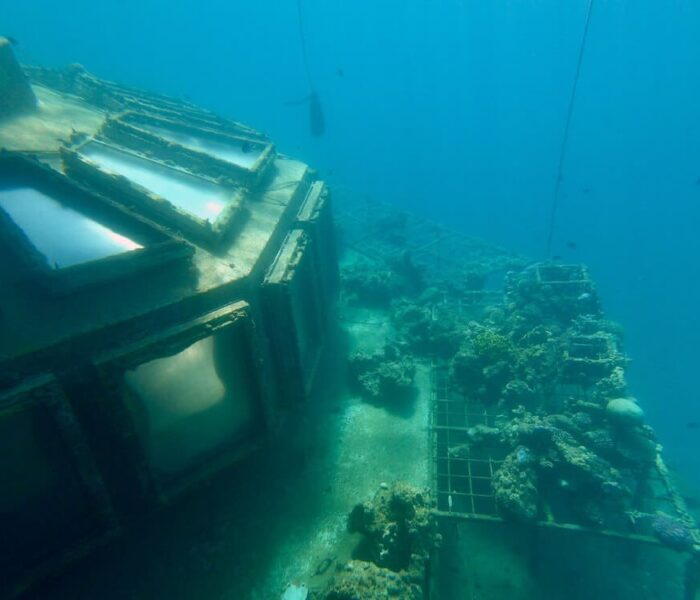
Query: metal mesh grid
{"x": 382, "y": 232}
{"x": 463, "y": 478}
{"x": 462, "y": 473}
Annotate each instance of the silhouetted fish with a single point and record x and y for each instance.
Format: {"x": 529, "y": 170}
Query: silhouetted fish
{"x": 246, "y": 147}
{"x": 571, "y": 245}
{"x": 12, "y": 40}
{"x": 586, "y": 191}
{"x": 693, "y": 425}
{"x": 340, "y": 72}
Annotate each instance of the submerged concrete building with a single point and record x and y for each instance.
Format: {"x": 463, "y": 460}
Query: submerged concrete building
{"x": 167, "y": 277}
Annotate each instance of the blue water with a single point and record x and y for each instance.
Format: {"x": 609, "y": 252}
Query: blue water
{"x": 455, "y": 110}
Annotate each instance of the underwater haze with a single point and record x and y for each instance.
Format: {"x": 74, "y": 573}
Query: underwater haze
{"x": 455, "y": 110}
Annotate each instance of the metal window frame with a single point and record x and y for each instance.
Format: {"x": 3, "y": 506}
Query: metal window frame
{"x": 44, "y": 392}
{"x": 112, "y": 365}
{"x": 294, "y": 271}
{"x": 152, "y": 206}
{"x": 159, "y": 247}
{"x": 130, "y": 129}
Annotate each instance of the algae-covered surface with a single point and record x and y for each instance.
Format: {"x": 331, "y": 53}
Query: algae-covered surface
{"x": 50, "y": 126}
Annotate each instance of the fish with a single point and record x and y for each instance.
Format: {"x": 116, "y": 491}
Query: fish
{"x": 571, "y": 245}
{"x": 586, "y": 191}
{"x": 246, "y": 147}
{"x": 13, "y": 41}
{"x": 339, "y": 72}
{"x": 693, "y": 425}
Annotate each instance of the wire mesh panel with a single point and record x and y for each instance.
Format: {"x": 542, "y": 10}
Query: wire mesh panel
{"x": 463, "y": 474}
{"x": 380, "y": 231}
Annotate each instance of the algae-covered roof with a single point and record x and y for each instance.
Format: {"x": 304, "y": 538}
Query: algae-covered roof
{"x": 48, "y": 128}
{"x": 76, "y": 113}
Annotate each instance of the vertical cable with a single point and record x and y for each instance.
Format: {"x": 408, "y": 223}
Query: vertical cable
{"x": 302, "y": 35}
{"x": 567, "y": 127}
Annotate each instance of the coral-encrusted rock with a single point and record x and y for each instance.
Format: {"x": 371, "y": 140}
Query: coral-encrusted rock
{"x": 624, "y": 411}
{"x": 515, "y": 485}
{"x": 383, "y": 375}
{"x": 359, "y": 580}
{"x": 398, "y": 525}
{"x": 672, "y": 532}
{"x": 423, "y": 334}
{"x": 368, "y": 283}
{"x": 399, "y": 536}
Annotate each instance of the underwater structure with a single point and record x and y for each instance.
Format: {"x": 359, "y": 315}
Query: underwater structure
{"x": 171, "y": 284}
{"x": 545, "y": 479}
{"x": 166, "y": 283}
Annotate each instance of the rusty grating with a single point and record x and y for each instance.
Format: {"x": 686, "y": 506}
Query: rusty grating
{"x": 380, "y": 231}
{"x": 462, "y": 475}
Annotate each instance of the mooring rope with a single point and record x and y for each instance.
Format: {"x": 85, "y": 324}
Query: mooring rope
{"x": 304, "y": 54}
{"x": 564, "y": 143}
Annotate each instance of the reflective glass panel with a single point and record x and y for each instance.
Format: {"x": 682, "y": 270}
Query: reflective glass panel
{"x": 201, "y": 198}
{"x": 63, "y": 235}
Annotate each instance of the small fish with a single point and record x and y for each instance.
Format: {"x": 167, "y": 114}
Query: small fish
{"x": 246, "y": 147}
{"x": 584, "y": 296}
{"x": 693, "y": 425}
{"x": 13, "y": 41}
{"x": 324, "y": 565}
{"x": 571, "y": 245}
{"x": 697, "y": 181}
{"x": 586, "y": 191}
{"x": 340, "y": 72}
{"x": 556, "y": 257}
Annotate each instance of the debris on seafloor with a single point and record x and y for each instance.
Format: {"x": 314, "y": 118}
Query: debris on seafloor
{"x": 296, "y": 591}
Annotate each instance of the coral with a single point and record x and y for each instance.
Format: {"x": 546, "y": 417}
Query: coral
{"x": 562, "y": 460}
{"x": 551, "y": 293}
{"x": 483, "y": 366}
{"x": 368, "y": 283}
{"x": 517, "y": 393}
{"x": 672, "y": 532}
{"x": 360, "y": 580}
{"x": 515, "y": 485}
{"x": 386, "y": 375}
{"x": 624, "y": 411}
{"x": 398, "y": 527}
{"x": 423, "y": 334}
{"x": 612, "y": 386}
{"x": 399, "y": 535}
